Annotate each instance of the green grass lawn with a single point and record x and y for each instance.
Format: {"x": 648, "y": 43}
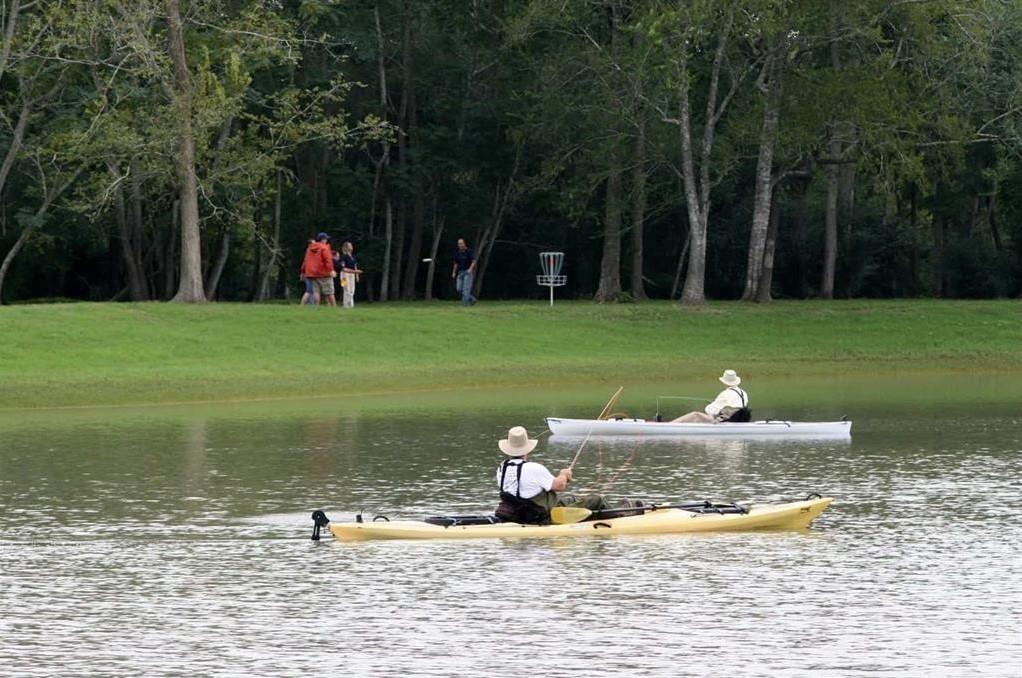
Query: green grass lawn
{"x": 111, "y": 354}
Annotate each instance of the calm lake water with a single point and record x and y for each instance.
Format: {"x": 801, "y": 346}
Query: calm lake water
{"x": 175, "y": 541}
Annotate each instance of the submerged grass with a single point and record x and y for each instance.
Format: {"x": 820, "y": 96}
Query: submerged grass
{"x": 111, "y": 354}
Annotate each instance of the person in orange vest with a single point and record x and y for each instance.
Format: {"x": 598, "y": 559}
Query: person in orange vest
{"x": 318, "y": 268}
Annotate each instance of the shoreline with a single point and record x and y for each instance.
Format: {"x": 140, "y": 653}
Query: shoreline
{"x": 907, "y": 387}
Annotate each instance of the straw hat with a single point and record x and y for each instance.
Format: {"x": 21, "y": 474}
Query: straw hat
{"x": 518, "y": 442}
{"x": 729, "y": 378}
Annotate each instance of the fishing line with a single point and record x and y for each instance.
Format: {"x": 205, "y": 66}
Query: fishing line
{"x": 631, "y": 457}
{"x": 603, "y": 413}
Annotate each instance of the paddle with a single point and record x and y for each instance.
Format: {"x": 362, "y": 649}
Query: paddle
{"x": 565, "y": 515}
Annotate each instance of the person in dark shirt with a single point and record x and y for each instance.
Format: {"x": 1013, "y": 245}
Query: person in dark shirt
{"x": 463, "y": 272}
{"x": 350, "y": 272}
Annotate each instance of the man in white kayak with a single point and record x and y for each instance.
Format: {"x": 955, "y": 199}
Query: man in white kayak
{"x": 527, "y": 489}
{"x": 731, "y": 404}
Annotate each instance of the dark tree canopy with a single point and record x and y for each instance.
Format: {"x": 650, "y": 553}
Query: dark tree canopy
{"x": 188, "y": 149}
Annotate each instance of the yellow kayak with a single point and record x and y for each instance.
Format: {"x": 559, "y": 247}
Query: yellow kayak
{"x": 653, "y": 520}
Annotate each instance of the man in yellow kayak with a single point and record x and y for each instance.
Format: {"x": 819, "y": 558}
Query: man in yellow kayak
{"x": 731, "y": 404}
{"x": 528, "y": 490}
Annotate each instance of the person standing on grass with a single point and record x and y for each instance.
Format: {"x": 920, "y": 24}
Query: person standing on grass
{"x": 318, "y": 266}
{"x": 463, "y": 272}
{"x": 309, "y": 296}
{"x": 350, "y": 273}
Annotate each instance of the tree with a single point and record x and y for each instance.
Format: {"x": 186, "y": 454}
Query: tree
{"x": 688, "y": 32}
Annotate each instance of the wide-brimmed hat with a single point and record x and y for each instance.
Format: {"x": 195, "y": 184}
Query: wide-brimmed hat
{"x": 730, "y": 378}
{"x": 518, "y": 443}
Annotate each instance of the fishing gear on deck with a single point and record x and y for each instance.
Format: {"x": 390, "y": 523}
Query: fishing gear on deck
{"x": 452, "y": 521}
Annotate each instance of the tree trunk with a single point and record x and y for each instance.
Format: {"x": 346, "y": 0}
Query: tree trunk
{"x": 380, "y": 189}
{"x": 398, "y": 252}
{"x": 274, "y": 263}
{"x": 213, "y": 279}
{"x": 992, "y": 222}
{"x": 12, "y": 22}
{"x": 169, "y": 267}
{"x": 388, "y": 236}
{"x": 411, "y": 123}
{"x": 610, "y": 263}
{"x": 639, "y": 209}
{"x": 766, "y": 280}
{"x": 830, "y": 223}
{"x": 255, "y": 285}
{"x": 415, "y": 247}
{"x": 913, "y": 225}
{"x": 438, "y": 231}
{"x": 418, "y": 206}
{"x": 406, "y": 112}
{"x": 937, "y": 271}
{"x": 137, "y": 225}
{"x": 485, "y": 251}
{"x": 609, "y": 288}
{"x": 190, "y": 287}
{"x": 697, "y": 197}
{"x": 487, "y": 237}
{"x": 764, "y": 180}
{"x": 681, "y": 264}
{"x": 137, "y": 288}
{"x": 15, "y": 146}
{"x": 693, "y": 290}
{"x": 11, "y": 253}
{"x": 798, "y": 255}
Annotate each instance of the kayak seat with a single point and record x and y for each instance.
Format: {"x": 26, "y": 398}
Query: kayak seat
{"x": 742, "y": 415}
{"x": 625, "y": 504}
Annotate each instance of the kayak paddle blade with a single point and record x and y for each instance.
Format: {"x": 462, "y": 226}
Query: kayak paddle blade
{"x": 563, "y": 515}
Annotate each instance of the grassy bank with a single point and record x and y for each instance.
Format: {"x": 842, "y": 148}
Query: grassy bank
{"x": 88, "y": 354}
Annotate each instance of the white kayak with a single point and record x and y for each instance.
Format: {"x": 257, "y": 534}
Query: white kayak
{"x": 753, "y": 429}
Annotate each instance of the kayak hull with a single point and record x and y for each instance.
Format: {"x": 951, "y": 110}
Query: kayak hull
{"x": 793, "y": 515}
{"x": 753, "y": 429}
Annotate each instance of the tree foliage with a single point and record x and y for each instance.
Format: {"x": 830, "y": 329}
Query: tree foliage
{"x": 697, "y": 150}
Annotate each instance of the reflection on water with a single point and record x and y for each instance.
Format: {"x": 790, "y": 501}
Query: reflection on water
{"x": 161, "y": 544}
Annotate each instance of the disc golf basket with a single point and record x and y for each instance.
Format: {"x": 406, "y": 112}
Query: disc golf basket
{"x": 551, "y": 263}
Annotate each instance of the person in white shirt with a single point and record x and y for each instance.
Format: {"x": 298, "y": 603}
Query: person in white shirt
{"x": 528, "y": 490}
{"x": 731, "y": 404}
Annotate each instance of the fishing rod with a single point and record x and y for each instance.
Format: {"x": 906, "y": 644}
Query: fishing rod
{"x": 564, "y": 515}
{"x": 659, "y": 398}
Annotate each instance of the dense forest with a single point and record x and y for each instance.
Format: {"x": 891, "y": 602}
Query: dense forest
{"x": 684, "y": 149}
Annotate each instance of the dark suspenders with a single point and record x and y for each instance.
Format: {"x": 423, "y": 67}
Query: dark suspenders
{"x": 518, "y": 480}
{"x": 741, "y": 394}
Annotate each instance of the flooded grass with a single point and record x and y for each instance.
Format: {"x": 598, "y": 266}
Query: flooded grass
{"x": 120, "y": 354}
